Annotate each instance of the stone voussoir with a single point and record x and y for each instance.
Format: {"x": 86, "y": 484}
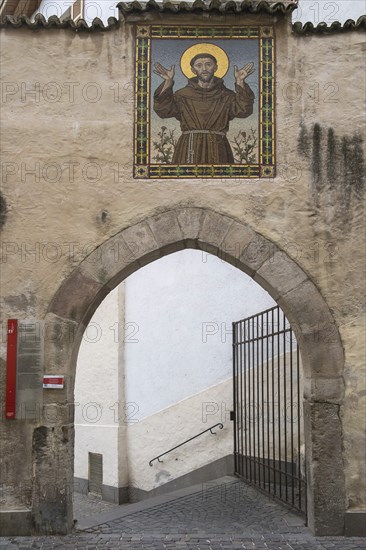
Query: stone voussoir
{"x": 141, "y": 241}
{"x": 166, "y": 229}
{"x": 214, "y": 229}
{"x": 190, "y": 221}
{"x": 108, "y": 260}
{"x": 307, "y": 299}
{"x": 257, "y": 251}
{"x": 72, "y": 301}
{"x": 235, "y": 242}
{"x": 279, "y": 274}
{"x": 322, "y": 352}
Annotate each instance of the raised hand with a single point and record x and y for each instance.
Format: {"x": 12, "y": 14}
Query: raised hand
{"x": 166, "y": 74}
{"x": 243, "y": 73}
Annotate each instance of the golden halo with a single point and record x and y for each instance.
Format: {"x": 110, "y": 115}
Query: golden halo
{"x": 216, "y": 51}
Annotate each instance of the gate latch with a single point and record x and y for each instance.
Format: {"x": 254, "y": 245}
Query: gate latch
{"x": 232, "y": 416}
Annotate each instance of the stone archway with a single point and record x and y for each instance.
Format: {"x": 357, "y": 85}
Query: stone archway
{"x": 137, "y": 245}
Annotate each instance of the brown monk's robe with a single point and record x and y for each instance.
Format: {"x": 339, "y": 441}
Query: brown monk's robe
{"x": 200, "y": 109}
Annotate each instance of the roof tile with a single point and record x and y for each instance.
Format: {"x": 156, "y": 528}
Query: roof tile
{"x": 336, "y": 26}
{"x": 248, "y": 6}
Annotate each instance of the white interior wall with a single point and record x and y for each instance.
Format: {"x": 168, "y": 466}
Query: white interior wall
{"x": 174, "y": 356}
{"x": 179, "y": 314}
{"x": 167, "y": 428}
{"x": 97, "y": 393}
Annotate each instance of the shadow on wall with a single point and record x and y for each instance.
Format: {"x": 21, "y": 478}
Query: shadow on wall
{"x": 338, "y": 171}
{"x": 3, "y": 211}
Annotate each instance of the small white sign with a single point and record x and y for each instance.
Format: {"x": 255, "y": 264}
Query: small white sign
{"x": 53, "y": 381}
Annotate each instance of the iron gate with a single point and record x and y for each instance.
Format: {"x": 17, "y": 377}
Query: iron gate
{"x": 269, "y": 444}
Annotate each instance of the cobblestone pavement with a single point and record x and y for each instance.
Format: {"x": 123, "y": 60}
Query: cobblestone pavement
{"x": 90, "y": 505}
{"x": 225, "y": 516}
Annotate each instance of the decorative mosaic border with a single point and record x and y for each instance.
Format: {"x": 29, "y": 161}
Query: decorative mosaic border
{"x": 143, "y": 168}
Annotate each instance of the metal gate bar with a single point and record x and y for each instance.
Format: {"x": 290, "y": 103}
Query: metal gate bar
{"x": 268, "y": 425}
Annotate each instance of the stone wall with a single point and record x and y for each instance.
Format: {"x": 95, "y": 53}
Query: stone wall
{"x": 68, "y": 189}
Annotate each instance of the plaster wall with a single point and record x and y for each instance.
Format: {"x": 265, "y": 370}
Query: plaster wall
{"x": 313, "y": 214}
{"x": 173, "y": 425}
{"x": 97, "y": 439}
{"x": 97, "y": 392}
{"x": 181, "y": 308}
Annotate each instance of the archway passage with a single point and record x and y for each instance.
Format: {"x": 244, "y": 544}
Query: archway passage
{"x": 235, "y": 242}
{"x": 162, "y": 340}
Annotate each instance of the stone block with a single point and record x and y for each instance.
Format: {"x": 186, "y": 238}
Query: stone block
{"x": 327, "y": 390}
{"x": 16, "y": 464}
{"x": 321, "y": 352}
{"x": 190, "y": 221}
{"x": 257, "y": 251}
{"x": 59, "y": 414}
{"x": 59, "y": 337}
{"x": 141, "y": 241}
{"x": 111, "y": 259}
{"x": 76, "y": 296}
{"x": 235, "y": 242}
{"x": 167, "y": 231}
{"x": 355, "y": 523}
{"x": 53, "y": 483}
{"x": 305, "y": 307}
{"x": 15, "y": 522}
{"x": 326, "y": 487}
{"x": 213, "y": 231}
{"x": 279, "y": 274}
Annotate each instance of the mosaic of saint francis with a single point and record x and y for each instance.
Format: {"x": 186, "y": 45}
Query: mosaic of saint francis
{"x": 204, "y": 108}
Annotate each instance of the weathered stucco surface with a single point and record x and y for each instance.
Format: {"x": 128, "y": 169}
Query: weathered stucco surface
{"x": 310, "y": 211}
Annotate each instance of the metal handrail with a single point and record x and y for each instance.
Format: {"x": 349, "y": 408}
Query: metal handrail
{"x": 184, "y": 442}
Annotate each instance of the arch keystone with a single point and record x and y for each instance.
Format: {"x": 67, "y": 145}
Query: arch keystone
{"x": 190, "y": 221}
